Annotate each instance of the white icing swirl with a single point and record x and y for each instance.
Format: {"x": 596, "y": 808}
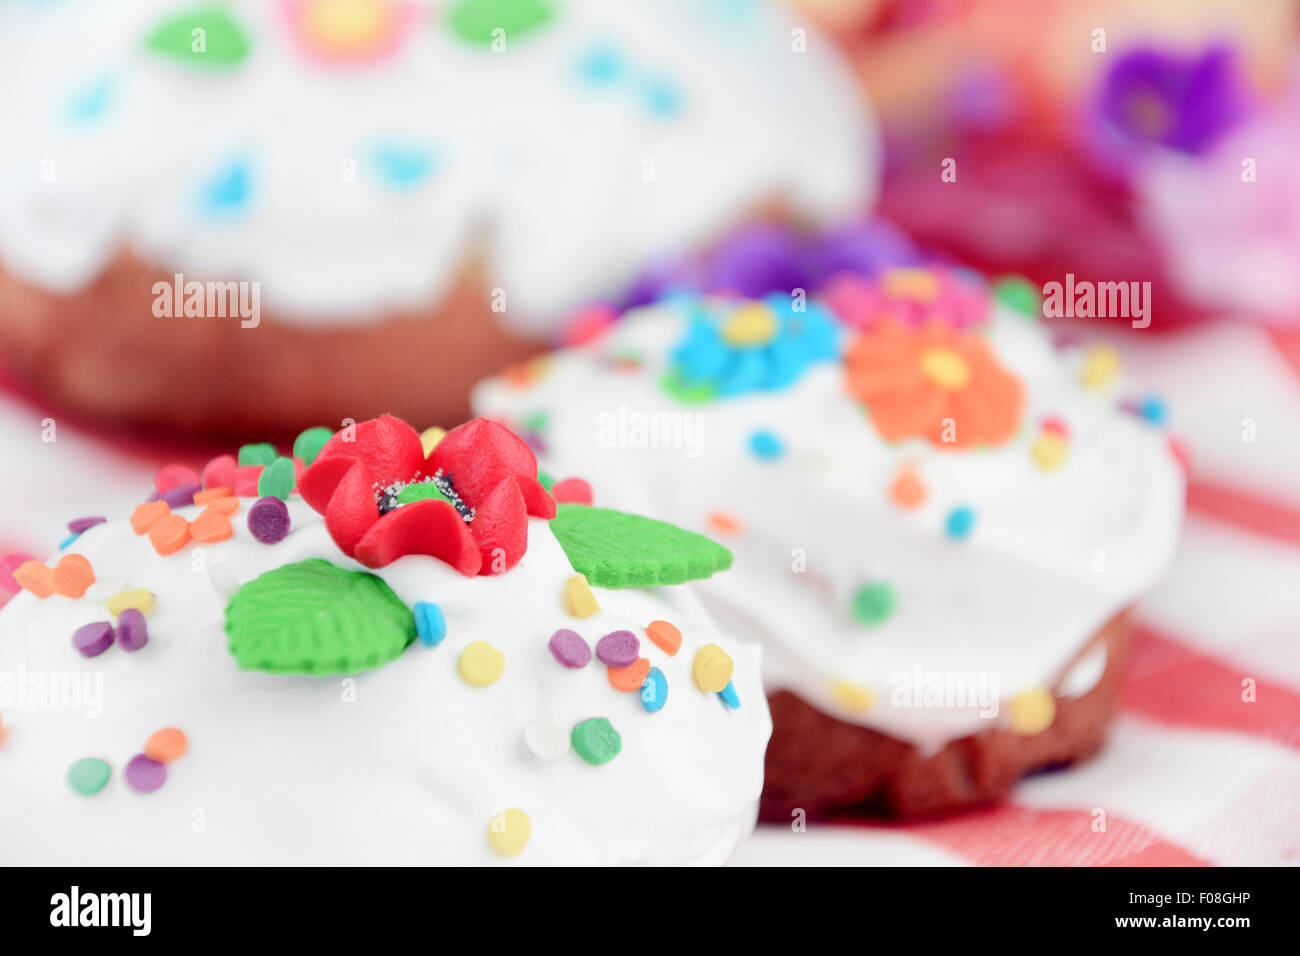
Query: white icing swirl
{"x": 406, "y": 764}
{"x": 570, "y": 186}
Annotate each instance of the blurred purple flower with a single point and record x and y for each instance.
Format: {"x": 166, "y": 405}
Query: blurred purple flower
{"x": 1153, "y": 97}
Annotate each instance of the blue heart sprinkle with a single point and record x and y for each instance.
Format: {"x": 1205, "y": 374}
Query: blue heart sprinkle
{"x": 403, "y": 167}
{"x": 230, "y": 188}
{"x": 602, "y": 65}
{"x": 91, "y": 102}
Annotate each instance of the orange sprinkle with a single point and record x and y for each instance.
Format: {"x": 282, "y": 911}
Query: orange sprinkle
{"x": 35, "y": 577}
{"x": 725, "y": 523}
{"x": 144, "y": 516}
{"x": 72, "y": 575}
{"x": 165, "y": 745}
{"x": 666, "y": 637}
{"x": 212, "y": 494}
{"x": 908, "y": 491}
{"x": 226, "y": 505}
{"x": 211, "y": 526}
{"x": 169, "y": 534}
{"x": 630, "y": 678}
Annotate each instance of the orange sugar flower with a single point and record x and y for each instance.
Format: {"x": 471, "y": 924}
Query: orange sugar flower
{"x": 934, "y": 382}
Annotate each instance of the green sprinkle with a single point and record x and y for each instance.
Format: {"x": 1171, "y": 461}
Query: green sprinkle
{"x": 1019, "y": 294}
{"x": 545, "y": 479}
{"x": 697, "y": 394}
{"x": 276, "y": 480}
{"x": 536, "y": 422}
{"x": 88, "y": 776}
{"x": 308, "y": 445}
{"x": 262, "y": 453}
{"x": 476, "y": 21}
{"x": 420, "y": 491}
{"x": 596, "y": 741}
{"x": 874, "y": 603}
{"x": 203, "y": 36}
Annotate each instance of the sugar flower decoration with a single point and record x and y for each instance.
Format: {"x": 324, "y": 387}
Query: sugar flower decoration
{"x": 467, "y": 503}
{"x": 912, "y": 296}
{"x": 349, "y": 30}
{"x": 936, "y": 383}
{"x": 750, "y": 346}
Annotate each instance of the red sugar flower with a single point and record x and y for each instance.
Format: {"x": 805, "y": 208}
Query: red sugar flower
{"x": 466, "y": 504}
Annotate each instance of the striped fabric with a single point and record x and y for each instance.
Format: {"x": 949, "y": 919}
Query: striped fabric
{"x": 1193, "y": 774}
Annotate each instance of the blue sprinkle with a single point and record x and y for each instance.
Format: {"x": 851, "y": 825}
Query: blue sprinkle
{"x": 68, "y": 540}
{"x": 601, "y": 65}
{"x": 662, "y": 98}
{"x": 403, "y": 167}
{"x": 430, "y": 625}
{"x": 766, "y": 445}
{"x": 230, "y": 188}
{"x": 960, "y": 523}
{"x": 729, "y": 696}
{"x": 1154, "y": 410}
{"x": 654, "y": 691}
{"x": 91, "y": 102}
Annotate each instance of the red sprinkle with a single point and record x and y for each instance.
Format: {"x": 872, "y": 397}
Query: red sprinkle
{"x": 571, "y": 491}
{"x": 245, "y": 480}
{"x": 220, "y": 472}
{"x": 174, "y": 476}
{"x": 1056, "y": 426}
{"x": 8, "y": 565}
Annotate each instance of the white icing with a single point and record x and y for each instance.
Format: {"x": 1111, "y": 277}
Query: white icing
{"x": 546, "y": 173}
{"x": 1085, "y": 673}
{"x": 284, "y": 770}
{"x": 1052, "y": 558}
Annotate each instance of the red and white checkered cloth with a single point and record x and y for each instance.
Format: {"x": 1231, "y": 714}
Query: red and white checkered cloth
{"x": 1192, "y": 773}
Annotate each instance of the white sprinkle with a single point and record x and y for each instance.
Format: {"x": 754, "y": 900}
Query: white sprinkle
{"x": 223, "y": 581}
{"x": 547, "y": 741}
{"x": 105, "y": 588}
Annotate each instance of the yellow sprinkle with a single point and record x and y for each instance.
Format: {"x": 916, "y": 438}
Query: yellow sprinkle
{"x": 1032, "y": 711}
{"x": 430, "y": 437}
{"x": 853, "y": 698}
{"x": 481, "y": 664}
{"x": 138, "y": 598}
{"x": 1101, "y": 366}
{"x": 582, "y": 603}
{"x": 509, "y": 831}
{"x": 1050, "y": 451}
{"x": 751, "y": 324}
{"x": 921, "y": 284}
{"x": 945, "y": 368}
{"x": 712, "y": 668}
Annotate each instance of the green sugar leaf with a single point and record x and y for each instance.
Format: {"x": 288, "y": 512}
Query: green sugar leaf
{"x": 203, "y": 36}
{"x": 619, "y": 550}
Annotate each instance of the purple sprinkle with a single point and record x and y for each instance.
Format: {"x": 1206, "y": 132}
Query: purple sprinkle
{"x": 132, "y": 632}
{"x": 78, "y": 525}
{"x": 144, "y": 775}
{"x": 93, "y": 639}
{"x": 268, "y": 520}
{"x": 569, "y": 648}
{"x": 618, "y": 649}
{"x": 181, "y": 495}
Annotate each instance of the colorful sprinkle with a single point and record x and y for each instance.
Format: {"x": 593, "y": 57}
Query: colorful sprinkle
{"x": 572, "y": 491}
{"x": 766, "y": 445}
{"x": 1153, "y": 410}
{"x": 276, "y": 480}
{"x": 712, "y": 668}
{"x": 547, "y": 741}
{"x": 853, "y": 698}
{"x": 181, "y": 496}
{"x": 223, "y": 581}
{"x": 596, "y": 741}
{"x": 908, "y": 490}
{"x": 91, "y": 640}
{"x": 35, "y": 577}
{"x": 138, "y": 598}
{"x": 481, "y": 664}
{"x": 268, "y": 520}
{"x": 211, "y": 526}
{"x": 1032, "y": 711}
{"x": 260, "y": 453}
{"x": 1050, "y": 451}
{"x": 230, "y": 188}
{"x": 1019, "y": 294}
{"x": 132, "y": 631}
{"x": 403, "y": 166}
{"x": 81, "y": 525}
{"x": 88, "y": 776}
{"x": 960, "y": 523}
{"x": 1101, "y": 367}
{"x": 430, "y": 625}
{"x": 618, "y": 649}
{"x": 309, "y": 443}
{"x": 601, "y": 65}
{"x": 144, "y": 775}
{"x": 169, "y": 534}
{"x": 582, "y": 603}
{"x": 63, "y": 545}
{"x": 174, "y": 475}
{"x": 166, "y": 745}
{"x": 654, "y": 691}
{"x": 729, "y": 696}
{"x": 569, "y": 648}
{"x": 874, "y": 603}
{"x": 9, "y": 564}
{"x": 475, "y": 21}
{"x": 145, "y": 515}
{"x": 222, "y": 501}
{"x": 665, "y": 636}
{"x": 725, "y": 523}
{"x": 509, "y": 831}
{"x": 246, "y": 478}
{"x": 204, "y": 35}
{"x": 631, "y": 678}
{"x": 72, "y": 576}
{"x": 219, "y": 472}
